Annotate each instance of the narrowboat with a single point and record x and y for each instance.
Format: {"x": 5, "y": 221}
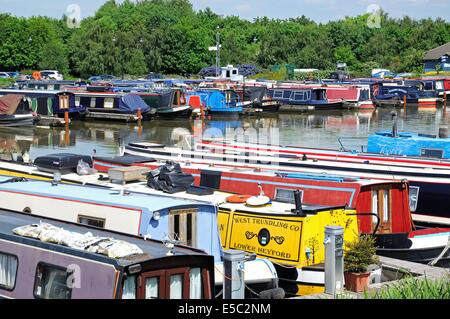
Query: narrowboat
{"x": 15, "y": 111}
{"x": 415, "y": 92}
{"x": 43, "y": 258}
{"x": 409, "y": 144}
{"x": 168, "y": 103}
{"x": 48, "y": 85}
{"x": 188, "y": 222}
{"x": 219, "y": 102}
{"x": 113, "y": 106}
{"x": 433, "y": 180}
{"x": 259, "y": 97}
{"x": 310, "y": 97}
{"x": 48, "y": 104}
{"x": 383, "y": 208}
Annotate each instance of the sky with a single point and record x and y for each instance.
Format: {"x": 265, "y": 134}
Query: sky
{"x": 317, "y": 10}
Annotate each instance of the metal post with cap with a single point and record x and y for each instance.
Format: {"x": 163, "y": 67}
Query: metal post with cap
{"x": 233, "y": 283}
{"x": 334, "y": 259}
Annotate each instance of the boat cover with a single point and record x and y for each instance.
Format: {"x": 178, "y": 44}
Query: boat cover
{"x": 48, "y": 233}
{"x": 9, "y": 105}
{"x": 130, "y": 103}
{"x": 61, "y": 162}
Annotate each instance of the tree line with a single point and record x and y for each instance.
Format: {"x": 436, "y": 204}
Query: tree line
{"x": 170, "y": 37}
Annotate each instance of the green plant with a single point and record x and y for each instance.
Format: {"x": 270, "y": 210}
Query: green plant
{"x": 360, "y": 254}
{"x": 415, "y": 288}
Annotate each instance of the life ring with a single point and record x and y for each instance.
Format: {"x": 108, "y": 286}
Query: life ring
{"x": 238, "y": 199}
{"x": 258, "y": 201}
{"x": 37, "y": 75}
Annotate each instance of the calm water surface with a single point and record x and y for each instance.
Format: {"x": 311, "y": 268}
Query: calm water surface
{"x": 319, "y": 129}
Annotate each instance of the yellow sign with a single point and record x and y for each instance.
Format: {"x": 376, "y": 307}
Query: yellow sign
{"x": 273, "y": 237}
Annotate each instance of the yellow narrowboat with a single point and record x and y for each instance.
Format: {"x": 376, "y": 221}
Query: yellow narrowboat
{"x": 292, "y": 239}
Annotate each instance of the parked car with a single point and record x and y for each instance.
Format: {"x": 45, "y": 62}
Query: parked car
{"x": 103, "y": 77}
{"x": 51, "y": 74}
{"x": 4, "y": 75}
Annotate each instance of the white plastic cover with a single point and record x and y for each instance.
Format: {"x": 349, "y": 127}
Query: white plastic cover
{"x": 110, "y": 247}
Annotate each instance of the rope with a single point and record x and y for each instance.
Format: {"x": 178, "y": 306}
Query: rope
{"x": 228, "y": 278}
{"x": 444, "y": 251}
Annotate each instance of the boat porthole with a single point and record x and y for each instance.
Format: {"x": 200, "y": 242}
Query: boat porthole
{"x": 27, "y": 210}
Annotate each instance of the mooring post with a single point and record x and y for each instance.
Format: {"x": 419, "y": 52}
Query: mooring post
{"x": 404, "y": 103}
{"x": 233, "y": 282}
{"x": 334, "y": 259}
{"x": 66, "y": 120}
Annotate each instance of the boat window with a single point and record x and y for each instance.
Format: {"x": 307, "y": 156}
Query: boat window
{"x": 152, "y": 288}
{"x": 286, "y": 195}
{"x": 92, "y": 221}
{"x": 64, "y": 102}
{"x": 8, "y": 271}
{"x": 386, "y": 210}
{"x": 77, "y": 101}
{"x": 52, "y": 282}
{"x": 381, "y": 206}
{"x": 195, "y": 280}
{"x": 278, "y": 94}
{"x": 287, "y": 94}
{"x": 176, "y": 286}
{"x": 93, "y": 101}
{"x": 375, "y": 206}
{"x": 183, "y": 226}
{"x": 109, "y": 103}
{"x": 129, "y": 288}
{"x": 413, "y": 198}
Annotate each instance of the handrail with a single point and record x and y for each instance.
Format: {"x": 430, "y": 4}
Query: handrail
{"x": 369, "y": 214}
{"x": 351, "y": 138}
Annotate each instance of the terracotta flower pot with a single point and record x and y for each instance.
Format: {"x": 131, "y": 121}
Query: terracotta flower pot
{"x": 356, "y": 282}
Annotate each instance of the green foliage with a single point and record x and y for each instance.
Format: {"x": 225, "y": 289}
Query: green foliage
{"x": 415, "y": 288}
{"x": 168, "y": 36}
{"x": 360, "y": 254}
{"x": 6, "y": 82}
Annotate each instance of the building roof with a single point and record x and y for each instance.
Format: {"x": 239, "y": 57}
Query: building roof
{"x": 436, "y": 53}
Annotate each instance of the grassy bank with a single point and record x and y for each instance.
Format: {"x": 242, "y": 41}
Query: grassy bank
{"x": 415, "y": 288}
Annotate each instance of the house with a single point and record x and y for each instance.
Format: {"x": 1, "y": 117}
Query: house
{"x": 438, "y": 56}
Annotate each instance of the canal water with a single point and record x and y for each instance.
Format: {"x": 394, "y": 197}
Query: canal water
{"x": 316, "y": 129}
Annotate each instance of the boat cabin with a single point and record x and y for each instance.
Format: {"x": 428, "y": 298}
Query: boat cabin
{"x": 50, "y": 103}
{"x": 42, "y": 258}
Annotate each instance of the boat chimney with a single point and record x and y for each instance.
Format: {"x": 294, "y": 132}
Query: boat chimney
{"x": 394, "y": 124}
{"x": 443, "y": 132}
{"x": 298, "y": 204}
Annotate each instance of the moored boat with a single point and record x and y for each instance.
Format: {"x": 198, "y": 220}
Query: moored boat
{"x": 43, "y": 258}
{"x": 15, "y": 111}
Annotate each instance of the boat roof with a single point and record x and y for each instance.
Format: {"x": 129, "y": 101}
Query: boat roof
{"x": 152, "y": 249}
{"x": 98, "y": 195}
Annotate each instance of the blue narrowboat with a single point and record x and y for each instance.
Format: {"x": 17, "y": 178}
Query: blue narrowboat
{"x": 226, "y": 102}
{"x": 311, "y": 97}
{"x": 409, "y": 144}
{"x": 415, "y": 92}
{"x": 108, "y": 105}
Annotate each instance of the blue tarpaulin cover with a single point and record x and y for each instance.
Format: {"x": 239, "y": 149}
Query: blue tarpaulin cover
{"x": 130, "y": 103}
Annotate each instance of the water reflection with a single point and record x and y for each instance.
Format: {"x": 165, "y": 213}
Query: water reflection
{"x": 319, "y": 129}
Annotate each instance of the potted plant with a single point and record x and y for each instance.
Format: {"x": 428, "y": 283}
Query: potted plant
{"x": 359, "y": 255}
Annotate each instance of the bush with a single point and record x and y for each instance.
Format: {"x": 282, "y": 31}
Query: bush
{"x": 360, "y": 254}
